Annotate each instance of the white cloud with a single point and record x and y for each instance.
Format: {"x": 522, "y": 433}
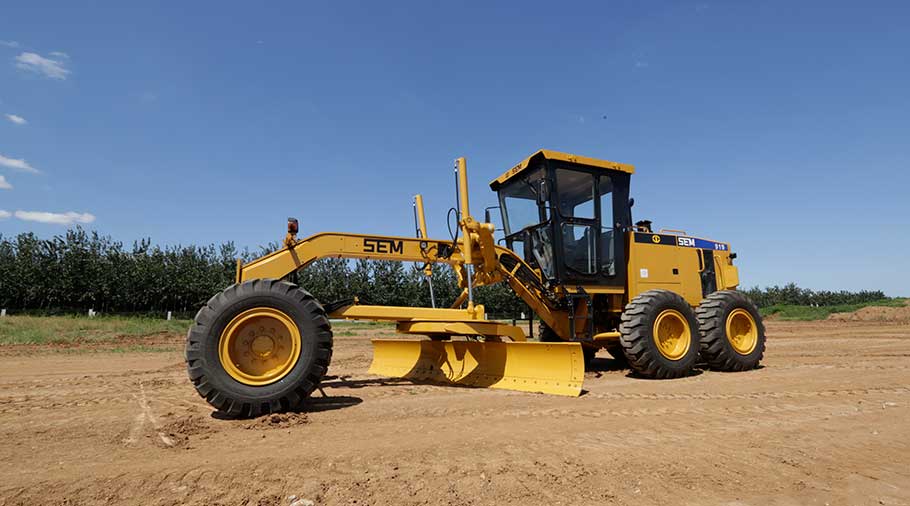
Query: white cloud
{"x": 59, "y": 54}
{"x": 4, "y": 214}
{"x": 17, "y": 164}
{"x": 19, "y": 120}
{"x": 148, "y": 96}
{"x": 4, "y": 184}
{"x": 32, "y": 62}
{"x": 9, "y": 43}
{"x": 55, "y": 218}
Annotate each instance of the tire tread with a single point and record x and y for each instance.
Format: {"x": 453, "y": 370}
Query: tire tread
{"x": 200, "y": 331}
{"x": 716, "y": 350}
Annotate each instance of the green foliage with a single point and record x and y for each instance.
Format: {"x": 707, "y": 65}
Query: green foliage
{"x": 793, "y": 295}
{"x": 388, "y": 283}
{"x": 77, "y": 271}
{"x": 808, "y": 313}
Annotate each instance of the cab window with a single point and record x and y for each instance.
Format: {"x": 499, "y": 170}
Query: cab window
{"x": 519, "y": 201}
{"x": 587, "y": 239}
{"x": 607, "y": 244}
{"x": 576, "y": 194}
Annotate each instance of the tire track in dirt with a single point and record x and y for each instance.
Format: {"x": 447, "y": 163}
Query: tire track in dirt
{"x": 713, "y": 424}
{"x": 660, "y": 411}
{"x": 774, "y": 394}
{"x": 62, "y": 394}
{"x": 146, "y": 415}
{"x": 454, "y": 409}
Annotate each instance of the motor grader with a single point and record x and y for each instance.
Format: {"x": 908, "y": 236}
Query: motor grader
{"x": 659, "y": 300}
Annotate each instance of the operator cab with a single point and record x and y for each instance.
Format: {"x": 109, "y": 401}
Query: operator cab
{"x": 566, "y": 214}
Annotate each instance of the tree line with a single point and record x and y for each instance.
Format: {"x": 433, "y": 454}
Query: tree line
{"x": 794, "y": 295}
{"x": 79, "y": 270}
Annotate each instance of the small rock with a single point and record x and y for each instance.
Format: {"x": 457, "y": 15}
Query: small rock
{"x": 888, "y": 405}
{"x": 302, "y": 502}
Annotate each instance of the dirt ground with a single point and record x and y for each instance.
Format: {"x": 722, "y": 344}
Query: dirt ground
{"x": 825, "y": 421}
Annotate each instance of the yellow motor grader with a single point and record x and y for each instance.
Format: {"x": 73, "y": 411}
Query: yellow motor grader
{"x": 658, "y": 300}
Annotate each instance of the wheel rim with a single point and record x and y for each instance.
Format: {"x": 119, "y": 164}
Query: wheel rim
{"x": 672, "y": 334}
{"x": 259, "y": 346}
{"x": 742, "y": 332}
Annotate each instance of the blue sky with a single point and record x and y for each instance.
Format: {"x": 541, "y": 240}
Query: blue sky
{"x": 781, "y": 127}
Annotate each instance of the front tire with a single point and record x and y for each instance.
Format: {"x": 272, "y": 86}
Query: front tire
{"x": 732, "y": 332}
{"x": 659, "y": 335}
{"x": 258, "y": 347}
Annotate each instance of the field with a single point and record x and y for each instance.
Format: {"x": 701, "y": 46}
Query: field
{"x": 809, "y": 313}
{"x": 101, "y": 412}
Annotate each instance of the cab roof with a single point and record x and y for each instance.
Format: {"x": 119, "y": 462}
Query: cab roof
{"x": 547, "y": 154}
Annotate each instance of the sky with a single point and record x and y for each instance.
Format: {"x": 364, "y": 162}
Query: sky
{"x": 781, "y": 127}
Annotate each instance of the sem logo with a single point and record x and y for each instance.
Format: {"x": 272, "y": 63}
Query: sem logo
{"x": 685, "y": 241}
{"x": 383, "y": 246}
{"x": 655, "y": 238}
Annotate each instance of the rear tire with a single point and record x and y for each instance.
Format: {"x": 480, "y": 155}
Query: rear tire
{"x": 659, "y": 335}
{"x": 732, "y": 332}
{"x": 229, "y": 348}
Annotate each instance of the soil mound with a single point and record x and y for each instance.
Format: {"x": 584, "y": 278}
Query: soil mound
{"x": 875, "y": 314}
{"x": 277, "y": 421}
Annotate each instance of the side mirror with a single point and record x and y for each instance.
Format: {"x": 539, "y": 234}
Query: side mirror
{"x": 631, "y": 202}
{"x": 487, "y": 215}
{"x": 543, "y": 192}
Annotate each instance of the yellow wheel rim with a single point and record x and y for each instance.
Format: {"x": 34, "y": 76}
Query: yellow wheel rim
{"x": 259, "y": 346}
{"x": 672, "y": 334}
{"x": 742, "y": 332}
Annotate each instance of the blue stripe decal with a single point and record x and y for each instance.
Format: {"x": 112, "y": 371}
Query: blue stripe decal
{"x": 694, "y": 242}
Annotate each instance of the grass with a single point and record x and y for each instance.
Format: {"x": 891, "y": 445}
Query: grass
{"x": 111, "y": 329}
{"x": 108, "y": 329}
{"x": 357, "y": 328}
{"x": 81, "y": 329}
{"x": 809, "y": 313}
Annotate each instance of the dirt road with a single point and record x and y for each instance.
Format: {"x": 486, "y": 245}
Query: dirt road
{"x": 826, "y": 421}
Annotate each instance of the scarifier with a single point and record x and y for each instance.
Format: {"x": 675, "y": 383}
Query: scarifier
{"x": 658, "y": 300}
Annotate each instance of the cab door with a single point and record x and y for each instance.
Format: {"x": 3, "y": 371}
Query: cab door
{"x": 590, "y": 230}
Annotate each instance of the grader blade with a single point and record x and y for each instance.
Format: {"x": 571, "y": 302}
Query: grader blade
{"x": 550, "y": 368}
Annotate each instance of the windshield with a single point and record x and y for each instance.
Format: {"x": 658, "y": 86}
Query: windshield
{"x": 519, "y": 201}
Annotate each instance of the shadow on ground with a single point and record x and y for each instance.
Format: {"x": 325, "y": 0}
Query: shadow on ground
{"x": 311, "y": 405}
